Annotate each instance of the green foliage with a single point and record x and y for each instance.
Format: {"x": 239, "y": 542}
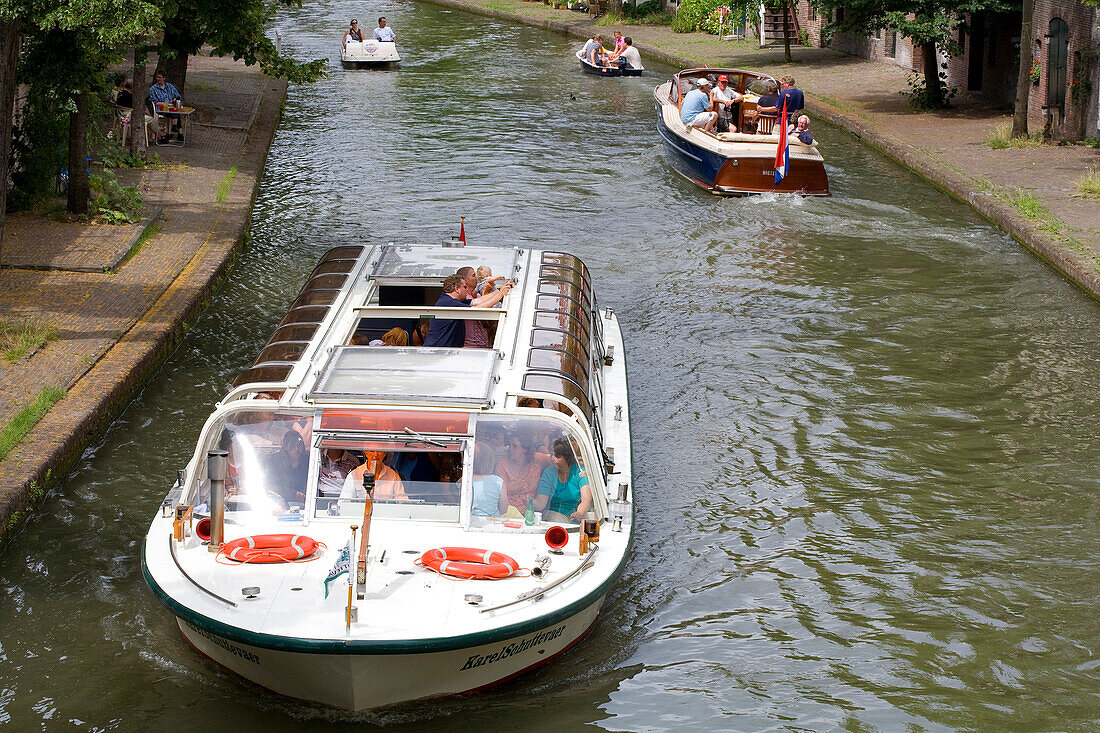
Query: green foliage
{"x": 225, "y": 183}
{"x": 1000, "y": 137}
{"x": 112, "y": 202}
{"x": 923, "y": 99}
{"x": 13, "y": 433}
{"x": 1089, "y": 186}
{"x": 692, "y": 14}
{"x": 19, "y": 337}
{"x": 647, "y": 13}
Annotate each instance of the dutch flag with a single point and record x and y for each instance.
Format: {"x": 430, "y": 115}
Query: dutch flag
{"x": 782, "y": 152}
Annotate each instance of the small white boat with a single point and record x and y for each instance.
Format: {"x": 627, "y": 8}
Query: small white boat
{"x": 249, "y": 544}
{"x": 369, "y": 52}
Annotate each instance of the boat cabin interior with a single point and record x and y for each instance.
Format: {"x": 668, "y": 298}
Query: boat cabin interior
{"x": 320, "y": 408}
{"x": 747, "y": 83}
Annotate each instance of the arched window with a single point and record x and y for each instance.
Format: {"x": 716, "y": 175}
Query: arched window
{"x": 1057, "y": 53}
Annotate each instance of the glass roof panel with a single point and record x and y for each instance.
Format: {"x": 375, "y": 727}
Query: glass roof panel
{"x": 333, "y": 266}
{"x": 559, "y": 361}
{"x": 564, "y": 322}
{"x": 566, "y": 260}
{"x": 409, "y": 375}
{"x": 331, "y": 280}
{"x": 264, "y": 373}
{"x": 339, "y": 253}
{"x": 569, "y": 289}
{"x": 559, "y": 385}
{"x": 305, "y": 314}
{"x": 564, "y": 305}
{"x": 560, "y": 340}
{"x": 436, "y": 263}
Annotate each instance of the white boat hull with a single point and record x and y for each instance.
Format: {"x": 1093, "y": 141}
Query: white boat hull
{"x": 370, "y": 53}
{"x": 359, "y": 681}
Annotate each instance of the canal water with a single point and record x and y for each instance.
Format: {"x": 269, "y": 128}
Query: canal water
{"x": 864, "y": 425}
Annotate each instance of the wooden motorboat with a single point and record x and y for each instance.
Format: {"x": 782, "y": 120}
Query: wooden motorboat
{"x": 369, "y": 53}
{"x": 733, "y": 163}
{"x": 341, "y": 589}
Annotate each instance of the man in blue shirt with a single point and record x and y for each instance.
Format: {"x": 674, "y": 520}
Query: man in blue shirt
{"x": 166, "y": 94}
{"x": 696, "y": 110}
{"x": 382, "y": 33}
{"x": 796, "y": 101}
{"x": 457, "y": 289}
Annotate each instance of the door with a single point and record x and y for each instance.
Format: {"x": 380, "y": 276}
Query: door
{"x": 1057, "y": 53}
{"x": 976, "y": 66}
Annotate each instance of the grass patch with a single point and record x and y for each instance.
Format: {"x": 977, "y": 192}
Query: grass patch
{"x": 223, "y": 187}
{"x": 14, "y": 432}
{"x": 1089, "y": 186}
{"x": 203, "y": 86}
{"x": 654, "y": 18}
{"x": 150, "y": 231}
{"x": 19, "y": 337}
{"x": 1000, "y": 137}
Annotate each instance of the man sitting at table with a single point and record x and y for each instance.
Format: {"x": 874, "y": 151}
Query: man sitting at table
{"x": 162, "y": 92}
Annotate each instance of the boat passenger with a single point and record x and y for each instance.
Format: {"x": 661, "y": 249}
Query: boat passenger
{"x": 801, "y": 130}
{"x": 592, "y": 47}
{"x": 563, "y": 493}
{"x": 696, "y": 111}
{"x": 384, "y": 33}
{"x": 353, "y": 33}
{"x": 629, "y": 54}
{"x": 396, "y": 336}
{"x": 796, "y": 100}
{"x": 336, "y": 464}
{"x": 726, "y": 99}
{"x": 620, "y": 44}
{"x": 768, "y": 104}
{"x": 289, "y": 467}
{"x": 420, "y": 333}
{"x": 490, "y": 498}
{"x": 520, "y": 471}
{"x": 387, "y": 483}
{"x": 449, "y": 332}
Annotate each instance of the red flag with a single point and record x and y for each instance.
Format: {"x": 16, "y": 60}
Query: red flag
{"x": 462, "y": 232}
{"x": 782, "y": 152}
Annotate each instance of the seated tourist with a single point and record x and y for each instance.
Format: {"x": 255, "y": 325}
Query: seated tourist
{"x": 289, "y": 467}
{"x": 696, "y": 111}
{"x": 387, "y": 483}
{"x": 490, "y": 498}
{"x": 801, "y": 130}
{"x": 593, "y": 46}
{"x": 726, "y": 99}
{"x": 767, "y": 105}
{"x": 563, "y": 493}
{"x": 396, "y": 336}
{"x": 336, "y": 464}
{"x": 353, "y": 33}
{"x": 629, "y": 54}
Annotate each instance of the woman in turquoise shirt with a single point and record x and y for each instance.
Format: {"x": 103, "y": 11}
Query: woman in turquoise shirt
{"x": 563, "y": 493}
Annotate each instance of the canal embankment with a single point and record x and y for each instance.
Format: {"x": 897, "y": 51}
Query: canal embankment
{"x": 119, "y": 299}
{"x": 1031, "y": 193}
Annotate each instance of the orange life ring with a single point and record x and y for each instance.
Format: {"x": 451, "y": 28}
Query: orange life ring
{"x": 270, "y": 548}
{"x": 469, "y": 562}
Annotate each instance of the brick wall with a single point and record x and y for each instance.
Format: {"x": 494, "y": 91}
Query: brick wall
{"x": 1078, "y": 116}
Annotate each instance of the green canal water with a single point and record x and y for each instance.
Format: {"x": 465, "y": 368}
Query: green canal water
{"x": 864, "y": 426}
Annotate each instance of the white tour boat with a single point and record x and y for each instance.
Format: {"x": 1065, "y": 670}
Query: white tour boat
{"x": 416, "y": 469}
{"x": 369, "y": 52}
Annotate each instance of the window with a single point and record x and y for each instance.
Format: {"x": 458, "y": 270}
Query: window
{"x": 516, "y": 465}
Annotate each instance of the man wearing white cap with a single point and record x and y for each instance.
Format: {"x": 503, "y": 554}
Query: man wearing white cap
{"x": 696, "y": 110}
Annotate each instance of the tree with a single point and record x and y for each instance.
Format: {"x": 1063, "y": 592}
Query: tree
{"x": 9, "y": 62}
{"x": 234, "y": 29}
{"x": 1023, "y": 75}
{"x": 929, "y": 24}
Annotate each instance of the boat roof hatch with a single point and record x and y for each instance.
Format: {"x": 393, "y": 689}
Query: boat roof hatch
{"x": 432, "y": 264}
{"x": 453, "y": 377}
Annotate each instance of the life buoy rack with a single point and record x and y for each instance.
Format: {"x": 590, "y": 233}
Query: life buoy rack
{"x": 270, "y": 548}
{"x": 469, "y": 562}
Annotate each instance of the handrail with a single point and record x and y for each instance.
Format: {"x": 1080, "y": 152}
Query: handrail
{"x": 429, "y": 311}
{"x": 538, "y": 593}
{"x": 236, "y": 392}
{"x": 172, "y": 549}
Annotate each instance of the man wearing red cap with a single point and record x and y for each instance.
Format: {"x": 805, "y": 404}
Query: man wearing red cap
{"x": 725, "y": 98}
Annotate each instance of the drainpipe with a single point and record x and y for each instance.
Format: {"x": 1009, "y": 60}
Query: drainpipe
{"x": 217, "y": 468}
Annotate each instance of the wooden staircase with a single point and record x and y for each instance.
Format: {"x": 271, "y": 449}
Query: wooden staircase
{"x": 773, "y": 29}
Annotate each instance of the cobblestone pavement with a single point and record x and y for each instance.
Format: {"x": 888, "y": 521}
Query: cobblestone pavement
{"x": 949, "y": 148}
{"x": 114, "y": 327}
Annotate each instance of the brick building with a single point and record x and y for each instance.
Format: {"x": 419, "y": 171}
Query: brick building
{"x": 1063, "y": 101}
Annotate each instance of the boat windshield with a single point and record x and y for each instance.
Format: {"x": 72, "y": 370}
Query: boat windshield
{"x": 526, "y": 462}
{"x": 268, "y": 464}
{"x": 414, "y": 477}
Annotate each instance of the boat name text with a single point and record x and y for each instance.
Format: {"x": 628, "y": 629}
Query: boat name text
{"x": 231, "y": 648}
{"x": 516, "y": 647}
